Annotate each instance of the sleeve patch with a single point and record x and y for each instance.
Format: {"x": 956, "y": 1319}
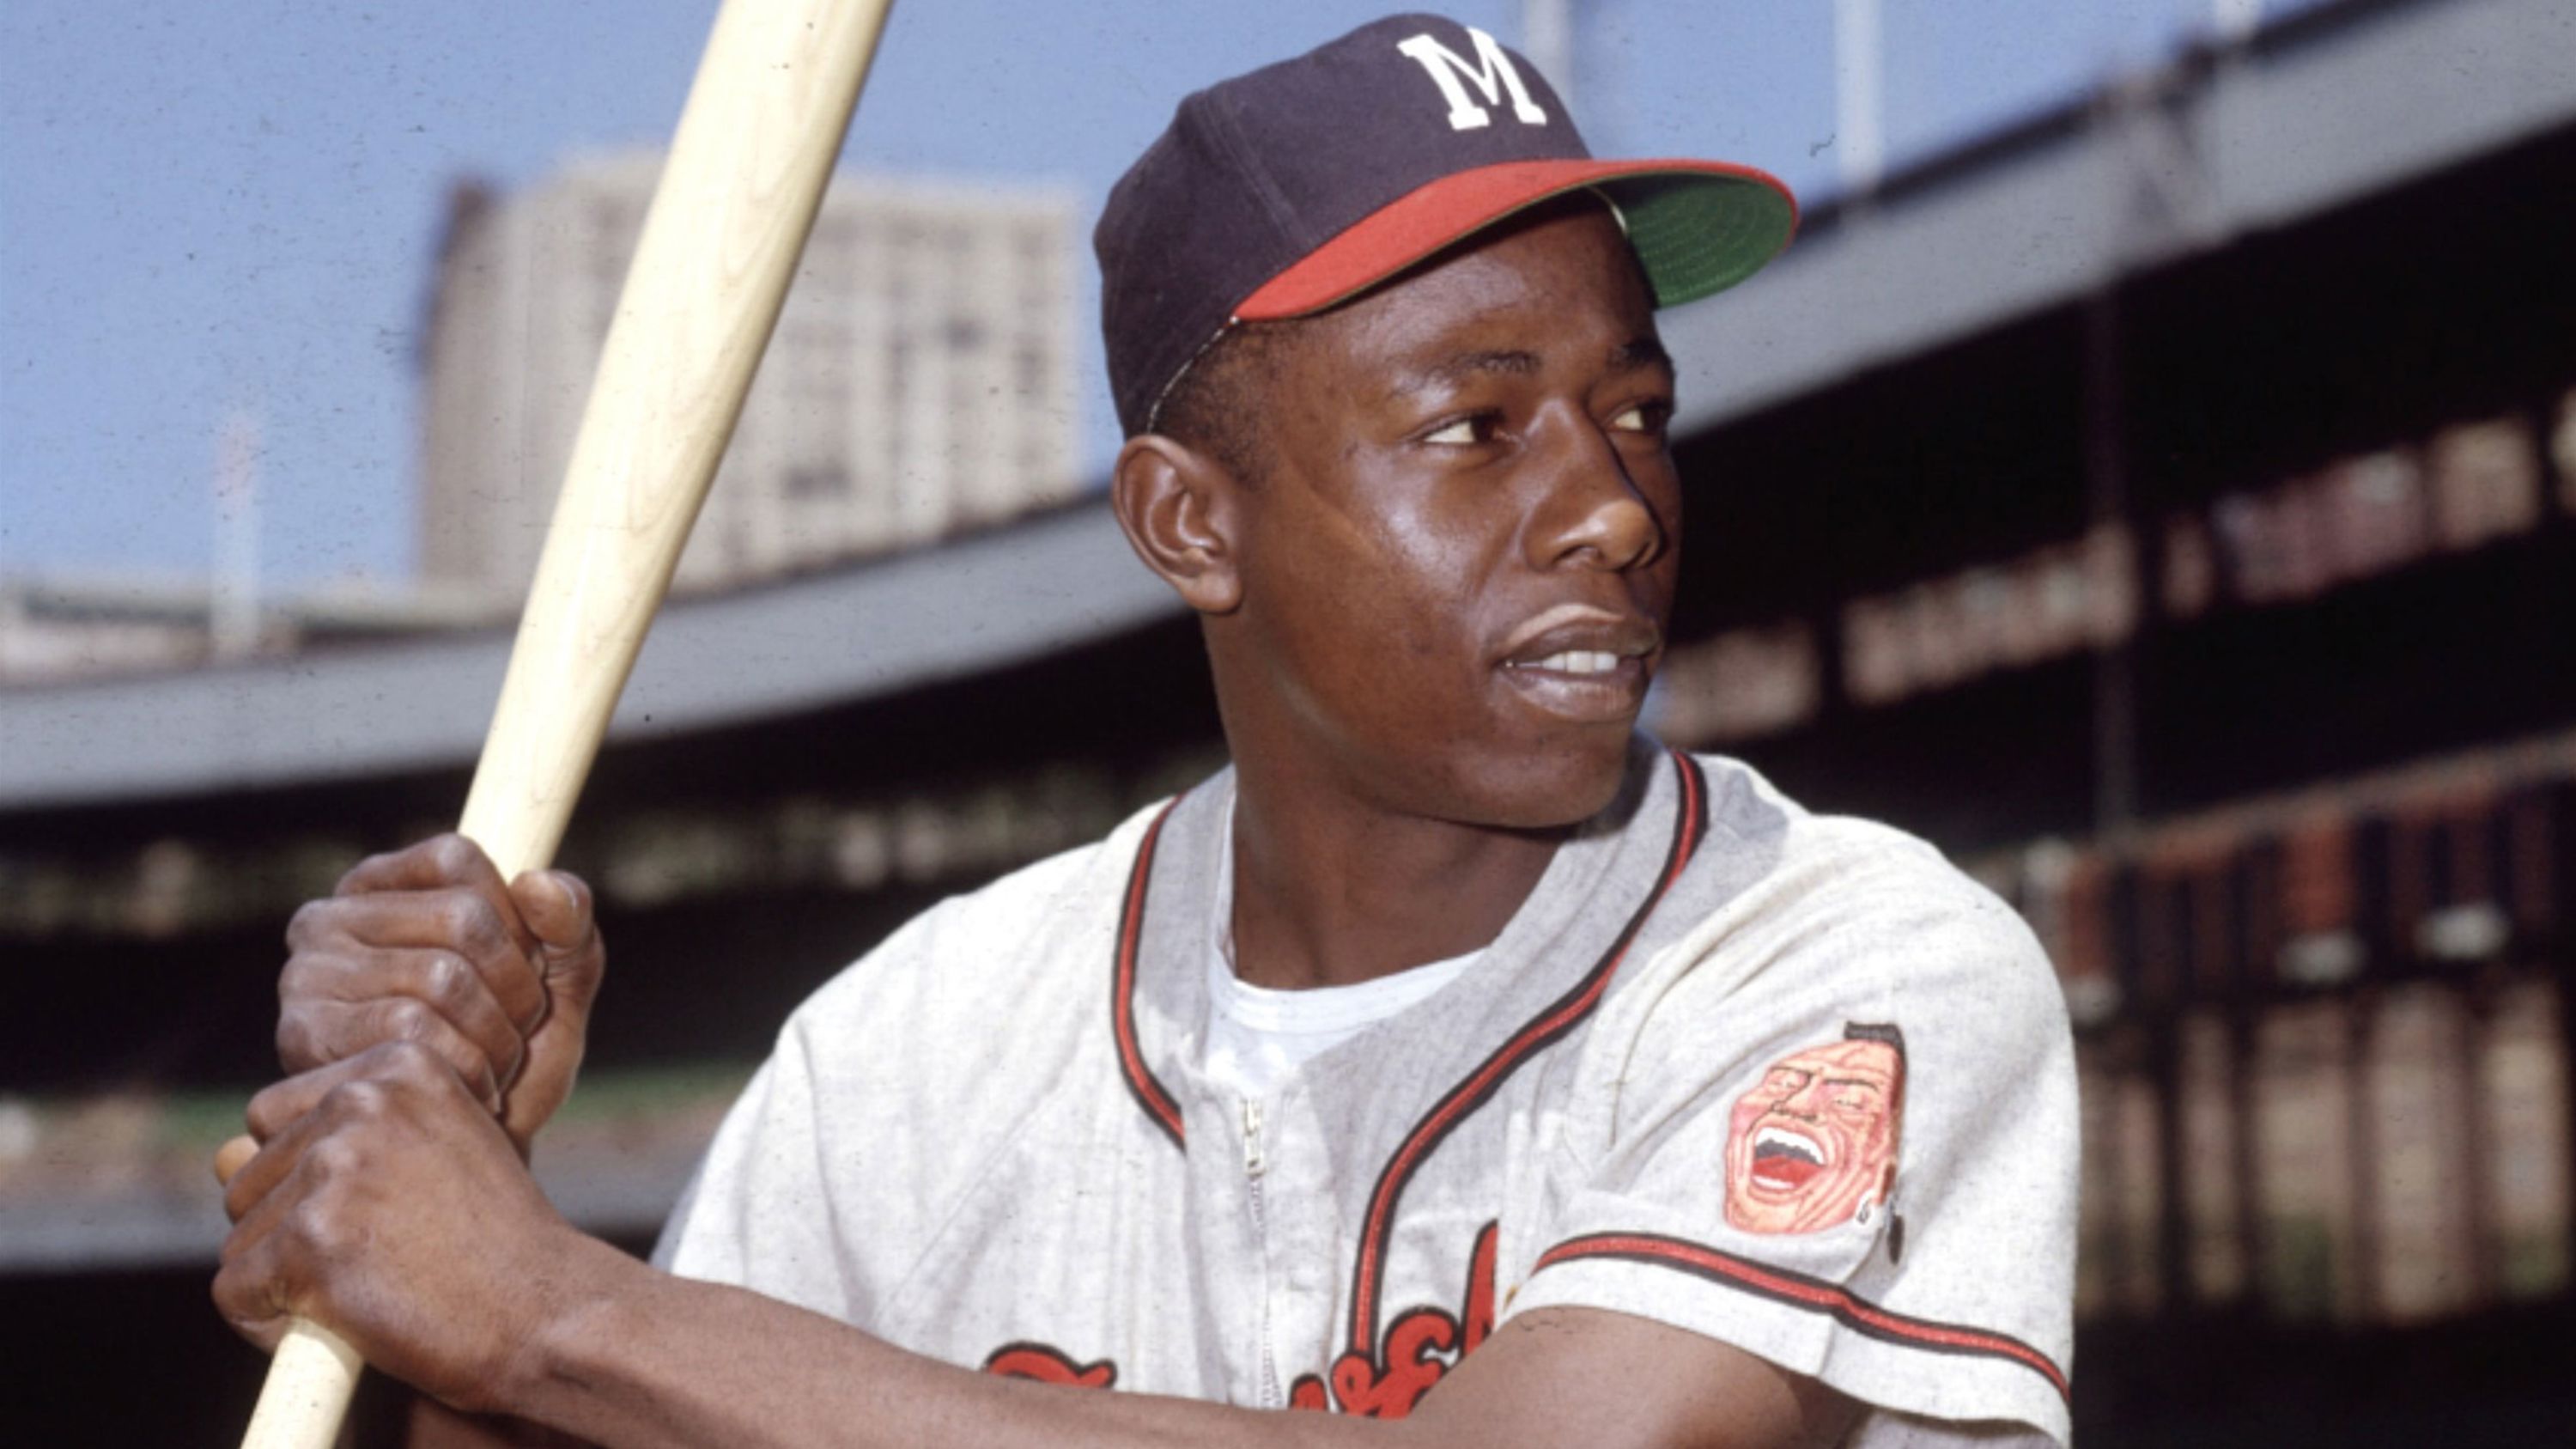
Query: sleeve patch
{"x": 1812, "y": 1144}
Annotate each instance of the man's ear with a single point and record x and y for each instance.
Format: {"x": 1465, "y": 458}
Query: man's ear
{"x": 1180, "y": 510}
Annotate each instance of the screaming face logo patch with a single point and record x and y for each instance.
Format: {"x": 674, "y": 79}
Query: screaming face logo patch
{"x": 1813, "y": 1143}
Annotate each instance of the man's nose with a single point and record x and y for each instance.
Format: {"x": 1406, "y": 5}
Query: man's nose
{"x": 1593, "y": 515}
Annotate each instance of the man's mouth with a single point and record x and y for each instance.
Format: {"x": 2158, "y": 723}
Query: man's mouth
{"x": 1576, "y": 661}
{"x": 1786, "y": 1159}
{"x": 1582, "y": 662}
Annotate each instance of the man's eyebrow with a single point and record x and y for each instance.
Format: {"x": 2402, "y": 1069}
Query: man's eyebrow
{"x": 1643, "y": 352}
{"x": 1631, "y": 356}
{"x": 1459, "y": 366}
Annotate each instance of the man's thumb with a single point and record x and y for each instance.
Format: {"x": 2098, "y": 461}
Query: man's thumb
{"x": 557, "y": 907}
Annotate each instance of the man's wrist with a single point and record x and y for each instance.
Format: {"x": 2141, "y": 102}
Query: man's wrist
{"x": 588, "y": 1289}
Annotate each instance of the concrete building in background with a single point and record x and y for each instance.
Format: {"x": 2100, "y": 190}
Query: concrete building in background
{"x": 921, "y": 380}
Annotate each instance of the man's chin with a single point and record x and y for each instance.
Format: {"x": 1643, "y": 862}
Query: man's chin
{"x": 1554, "y": 789}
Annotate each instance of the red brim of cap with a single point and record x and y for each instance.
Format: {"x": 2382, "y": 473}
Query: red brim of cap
{"x": 1442, "y": 213}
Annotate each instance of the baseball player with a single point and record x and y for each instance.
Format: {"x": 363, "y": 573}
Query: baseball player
{"x": 1459, "y": 1057}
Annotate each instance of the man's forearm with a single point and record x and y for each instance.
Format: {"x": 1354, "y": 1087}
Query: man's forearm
{"x": 643, "y": 1360}
{"x": 403, "y": 1216}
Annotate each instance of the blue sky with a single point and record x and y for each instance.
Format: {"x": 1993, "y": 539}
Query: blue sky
{"x": 209, "y": 207}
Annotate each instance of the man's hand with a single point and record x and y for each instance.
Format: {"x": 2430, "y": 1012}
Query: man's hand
{"x": 429, "y": 945}
{"x": 386, "y": 1203}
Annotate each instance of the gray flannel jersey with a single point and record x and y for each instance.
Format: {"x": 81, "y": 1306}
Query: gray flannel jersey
{"x": 1789, "y": 1081}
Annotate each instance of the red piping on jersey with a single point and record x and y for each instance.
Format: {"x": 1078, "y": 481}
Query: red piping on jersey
{"x": 1690, "y": 825}
{"x": 1800, "y": 1291}
{"x": 1149, "y": 1091}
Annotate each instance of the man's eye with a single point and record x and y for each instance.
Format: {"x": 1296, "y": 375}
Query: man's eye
{"x": 1465, "y": 431}
{"x": 1643, "y": 418}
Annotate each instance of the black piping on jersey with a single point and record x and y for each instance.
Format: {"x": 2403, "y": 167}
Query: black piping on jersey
{"x": 1690, "y": 826}
{"x": 1148, "y": 1089}
{"x": 1815, "y": 1295}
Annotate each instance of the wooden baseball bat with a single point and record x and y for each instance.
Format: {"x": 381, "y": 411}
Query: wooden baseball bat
{"x": 748, "y": 163}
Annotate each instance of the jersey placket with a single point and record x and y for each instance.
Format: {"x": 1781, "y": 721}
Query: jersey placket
{"x": 1255, "y": 1164}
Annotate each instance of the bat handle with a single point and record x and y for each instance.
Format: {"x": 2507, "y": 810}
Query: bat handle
{"x": 313, "y": 1372}
{"x": 309, "y": 1383}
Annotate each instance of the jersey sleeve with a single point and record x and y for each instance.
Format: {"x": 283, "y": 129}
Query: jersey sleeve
{"x": 889, "y": 1091}
{"x": 1835, "y": 1126}
{"x": 756, "y": 1212}
{"x": 765, "y": 1208}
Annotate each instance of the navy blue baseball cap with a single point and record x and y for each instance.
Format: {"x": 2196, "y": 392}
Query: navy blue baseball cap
{"x": 1298, "y": 186}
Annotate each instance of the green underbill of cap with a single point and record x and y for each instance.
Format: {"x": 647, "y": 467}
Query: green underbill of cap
{"x": 1696, "y": 235}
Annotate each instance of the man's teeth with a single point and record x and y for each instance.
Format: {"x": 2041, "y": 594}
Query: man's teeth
{"x": 1578, "y": 661}
{"x": 1773, "y": 1140}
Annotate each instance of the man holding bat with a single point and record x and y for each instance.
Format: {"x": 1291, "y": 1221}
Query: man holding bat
{"x": 1459, "y": 1062}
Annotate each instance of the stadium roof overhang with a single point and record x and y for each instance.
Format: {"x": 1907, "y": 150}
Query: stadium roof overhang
{"x": 2337, "y": 105}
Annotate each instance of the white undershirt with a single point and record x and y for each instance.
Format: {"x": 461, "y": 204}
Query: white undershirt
{"x": 1258, "y": 1036}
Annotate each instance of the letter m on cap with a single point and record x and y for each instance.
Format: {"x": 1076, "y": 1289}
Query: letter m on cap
{"x": 1492, "y": 73}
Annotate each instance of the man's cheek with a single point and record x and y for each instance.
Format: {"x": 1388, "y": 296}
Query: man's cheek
{"x": 1880, "y": 1149}
{"x": 1741, "y": 1124}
